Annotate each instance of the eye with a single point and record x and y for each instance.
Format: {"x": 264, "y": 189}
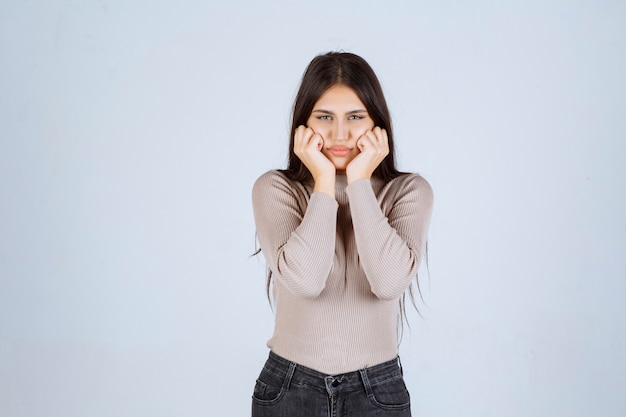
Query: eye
{"x": 356, "y": 117}
{"x": 324, "y": 117}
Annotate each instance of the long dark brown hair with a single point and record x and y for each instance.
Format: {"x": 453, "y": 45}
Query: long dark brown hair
{"x": 351, "y": 70}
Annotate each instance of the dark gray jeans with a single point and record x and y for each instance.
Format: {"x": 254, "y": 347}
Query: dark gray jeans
{"x": 286, "y": 389}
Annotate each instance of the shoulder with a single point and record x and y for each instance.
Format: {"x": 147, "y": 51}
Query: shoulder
{"x": 416, "y": 181}
{"x": 411, "y": 185}
{"x": 273, "y": 179}
{"x": 410, "y": 181}
{"x": 269, "y": 178}
{"x": 275, "y": 182}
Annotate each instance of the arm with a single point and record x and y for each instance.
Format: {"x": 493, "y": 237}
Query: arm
{"x": 298, "y": 247}
{"x": 390, "y": 249}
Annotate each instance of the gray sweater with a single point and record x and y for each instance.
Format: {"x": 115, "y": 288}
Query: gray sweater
{"x": 340, "y": 265}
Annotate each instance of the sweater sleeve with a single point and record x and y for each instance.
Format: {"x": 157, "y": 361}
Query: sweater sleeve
{"x": 390, "y": 248}
{"x": 298, "y": 246}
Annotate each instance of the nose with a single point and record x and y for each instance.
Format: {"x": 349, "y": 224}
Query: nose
{"x": 340, "y": 131}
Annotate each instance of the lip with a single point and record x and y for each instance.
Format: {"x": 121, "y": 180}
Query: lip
{"x": 339, "y": 150}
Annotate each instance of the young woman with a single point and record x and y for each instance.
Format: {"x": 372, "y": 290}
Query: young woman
{"x": 343, "y": 233}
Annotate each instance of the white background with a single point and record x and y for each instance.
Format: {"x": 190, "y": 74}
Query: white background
{"x": 131, "y": 133}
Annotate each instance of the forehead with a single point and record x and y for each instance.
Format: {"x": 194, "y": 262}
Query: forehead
{"x": 339, "y": 96}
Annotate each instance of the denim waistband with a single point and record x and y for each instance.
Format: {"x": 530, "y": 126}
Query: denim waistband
{"x": 293, "y": 373}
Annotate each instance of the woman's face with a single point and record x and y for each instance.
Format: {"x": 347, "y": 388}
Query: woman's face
{"x": 341, "y": 119}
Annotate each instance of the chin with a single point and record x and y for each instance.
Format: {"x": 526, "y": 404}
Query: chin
{"x": 341, "y": 165}
{"x": 341, "y": 168}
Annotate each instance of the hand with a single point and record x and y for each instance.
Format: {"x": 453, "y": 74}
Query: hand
{"x": 307, "y": 145}
{"x": 374, "y": 147}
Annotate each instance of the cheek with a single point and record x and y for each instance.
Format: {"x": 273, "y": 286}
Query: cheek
{"x": 358, "y": 131}
{"x": 320, "y": 128}
{"x": 314, "y": 124}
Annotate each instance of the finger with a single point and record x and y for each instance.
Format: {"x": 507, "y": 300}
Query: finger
{"x": 373, "y": 135}
{"x": 301, "y": 138}
{"x": 365, "y": 141}
{"x": 298, "y": 134}
{"x": 384, "y": 141}
{"x": 305, "y": 133}
{"x": 379, "y": 138}
{"x": 318, "y": 141}
{"x": 308, "y": 135}
{"x": 379, "y": 134}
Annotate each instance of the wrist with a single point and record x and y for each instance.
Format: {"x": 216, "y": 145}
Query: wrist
{"x": 351, "y": 177}
{"x": 325, "y": 184}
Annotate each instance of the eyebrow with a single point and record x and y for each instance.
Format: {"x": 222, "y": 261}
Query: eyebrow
{"x": 331, "y": 113}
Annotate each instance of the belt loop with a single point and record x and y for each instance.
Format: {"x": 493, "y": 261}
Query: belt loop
{"x": 366, "y": 382}
{"x": 400, "y": 365}
{"x": 290, "y": 372}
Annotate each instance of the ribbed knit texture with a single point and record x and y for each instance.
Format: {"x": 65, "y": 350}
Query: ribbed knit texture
{"x": 340, "y": 265}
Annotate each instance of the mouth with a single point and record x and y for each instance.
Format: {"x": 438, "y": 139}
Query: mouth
{"x": 339, "y": 150}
